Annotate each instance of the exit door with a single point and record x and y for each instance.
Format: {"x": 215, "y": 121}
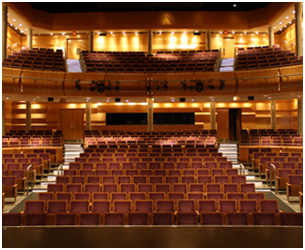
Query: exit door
{"x": 74, "y": 46}
{"x": 234, "y": 124}
{"x": 228, "y": 47}
{"x": 72, "y": 123}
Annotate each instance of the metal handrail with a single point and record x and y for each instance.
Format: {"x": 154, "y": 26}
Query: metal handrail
{"x": 27, "y": 180}
{"x": 60, "y": 169}
{"x": 242, "y": 168}
{"x": 272, "y": 167}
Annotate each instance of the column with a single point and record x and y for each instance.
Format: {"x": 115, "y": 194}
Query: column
{"x": 271, "y": 36}
{"x": 30, "y": 38}
{"x": 212, "y": 115}
{"x": 91, "y": 40}
{"x": 150, "y": 42}
{"x": 300, "y": 116}
{"x": 150, "y": 114}
{"x": 3, "y": 117}
{"x": 88, "y": 116}
{"x": 28, "y": 116}
{"x": 298, "y": 29}
{"x": 273, "y": 114}
{"x": 4, "y": 31}
{"x": 208, "y": 39}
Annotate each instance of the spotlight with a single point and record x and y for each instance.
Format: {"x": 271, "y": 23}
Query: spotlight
{"x": 100, "y": 87}
{"x": 196, "y": 33}
{"x": 221, "y": 84}
{"x": 117, "y": 87}
{"x": 211, "y": 84}
{"x": 199, "y": 86}
{"x": 165, "y": 86}
{"x": 117, "y": 99}
{"x": 184, "y": 86}
{"x": 182, "y": 99}
{"x": 108, "y": 88}
{"x": 77, "y": 86}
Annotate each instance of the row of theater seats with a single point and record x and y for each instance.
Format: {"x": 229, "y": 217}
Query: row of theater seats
{"x": 34, "y": 132}
{"x": 272, "y": 141}
{"x": 130, "y": 62}
{"x": 268, "y": 150}
{"x": 33, "y": 142}
{"x": 36, "y": 59}
{"x": 263, "y": 132}
{"x": 151, "y": 133}
{"x": 265, "y": 58}
{"x": 126, "y": 206}
{"x": 155, "y": 218}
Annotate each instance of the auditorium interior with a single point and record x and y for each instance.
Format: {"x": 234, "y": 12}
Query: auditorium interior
{"x": 152, "y": 124}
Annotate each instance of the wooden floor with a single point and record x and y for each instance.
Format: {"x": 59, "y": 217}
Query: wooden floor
{"x": 153, "y": 237}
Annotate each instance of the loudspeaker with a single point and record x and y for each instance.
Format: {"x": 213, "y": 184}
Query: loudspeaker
{"x": 117, "y": 99}
{"x": 182, "y": 99}
{"x": 50, "y": 99}
{"x": 251, "y": 98}
{"x": 197, "y": 33}
{"x": 103, "y": 34}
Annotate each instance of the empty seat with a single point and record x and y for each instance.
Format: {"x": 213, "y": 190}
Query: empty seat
{"x": 211, "y": 218}
{"x": 35, "y": 219}
{"x": 264, "y": 218}
{"x": 156, "y": 196}
{"x": 89, "y": 218}
{"x": 11, "y": 219}
{"x": 114, "y": 219}
{"x": 164, "y": 206}
{"x": 100, "y": 206}
{"x": 186, "y": 218}
{"x": 269, "y": 206}
{"x": 186, "y": 206}
{"x": 122, "y": 206}
{"x": 206, "y": 206}
{"x": 138, "y": 218}
{"x": 34, "y": 206}
{"x": 291, "y": 219}
{"x": 65, "y": 219}
{"x": 163, "y": 218}
{"x": 144, "y": 206}
{"x": 237, "y": 218}
{"x": 63, "y": 196}
{"x": 56, "y": 206}
{"x": 227, "y": 206}
{"x": 249, "y": 206}
{"x": 79, "y": 206}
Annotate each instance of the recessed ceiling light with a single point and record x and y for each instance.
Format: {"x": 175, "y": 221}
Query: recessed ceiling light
{"x": 173, "y": 33}
{"x": 11, "y": 24}
{"x": 7, "y": 98}
{"x": 127, "y": 100}
{"x": 20, "y": 24}
{"x": 173, "y": 100}
{"x": 233, "y": 32}
{"x": 212, "y": 100}
{"x": 234, "y": 5}
{"x": 287, "y": 17}
{"x": 63, "y": 34}
{"x": 269, "y": 97}
{"x": 280, "y": 23}
{"x": 245, "y": 32}
{"x": 290, "y": 22}
{"x": 107, "y": 100}
{"x": 274, "y": 27}
{"x": 293, "y": 11}
{"x": 14, "y": 20}
{"x": 26, "y": 29}
{"x": 192, "y": 100}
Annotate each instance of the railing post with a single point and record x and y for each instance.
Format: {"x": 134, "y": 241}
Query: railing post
{"x": 27, "y": 180}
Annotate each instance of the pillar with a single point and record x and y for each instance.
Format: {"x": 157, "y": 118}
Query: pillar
{"x": 208, "y": 39}
{"x": 28, "y": 116}
{"x": 30, "y": 38}
{"x": 3, "y": 117}
{"x": 300, "y": 116}
{"x": 88, "y": 116}
{"x": 273, "y": 114}
{"x": 150, "y": 114}
{"x": 150, "y": 42}
{"x": 298, "y": 29}
{"x": 271, "y": 36}
{"x": 212, "y": 115}
{"x": 91, "y": 41}
{"x": 4, "y": 31}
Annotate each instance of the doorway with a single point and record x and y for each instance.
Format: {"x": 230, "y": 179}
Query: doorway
{"x": 72, "y": 123}
{"x": 228, "y": 47}
{"x": 75, "y": 46}
{"x": 234, "y": 124}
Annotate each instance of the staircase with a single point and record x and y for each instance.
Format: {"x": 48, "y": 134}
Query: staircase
{"x": 230, "y": 150}
{"x": 227, "y": 65}
{"x": 73, "y": 65}
{"x": 71, "y": 150}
